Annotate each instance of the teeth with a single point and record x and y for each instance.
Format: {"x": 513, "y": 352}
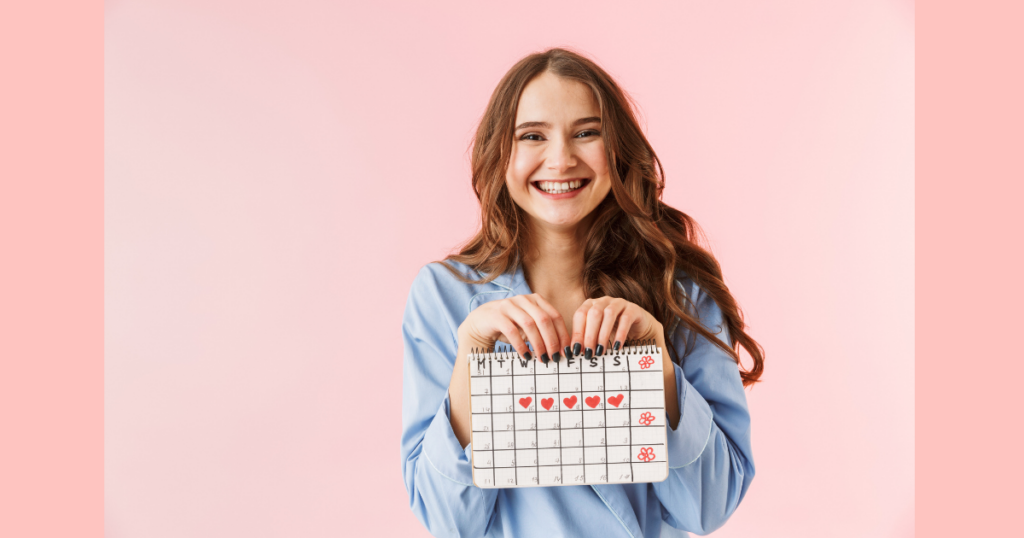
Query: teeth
{"x": 559, "y": 187}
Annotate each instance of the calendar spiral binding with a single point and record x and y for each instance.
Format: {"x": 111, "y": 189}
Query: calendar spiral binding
{"x": 640, "y": 346}
{"x": 630, "y": 347}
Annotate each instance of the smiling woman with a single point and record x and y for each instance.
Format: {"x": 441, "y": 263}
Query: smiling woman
{"x": 558, "y": 171}
{"x": 576, "y": 254}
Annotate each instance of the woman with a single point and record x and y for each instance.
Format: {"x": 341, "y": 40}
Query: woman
{"x": 576, "y": 253}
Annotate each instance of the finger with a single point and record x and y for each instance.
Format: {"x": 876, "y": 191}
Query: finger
{"x": 511, "y": 333}
{"x": 579, "y": 324}
{"x": 556, "y": 319}
{"x": 627, "y": 319}
{"x": 549, "y": 341}
{"x": 501, "y": 336}
{"x": 611, "y": 317}
{"x": 594, "y": 316}
{"x": 526, "y": 324}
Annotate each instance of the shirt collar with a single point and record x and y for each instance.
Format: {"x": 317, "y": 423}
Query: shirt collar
{"x": 514, "y": 282}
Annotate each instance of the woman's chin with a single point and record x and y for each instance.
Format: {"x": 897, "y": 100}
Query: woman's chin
{"x": 562, "y": 221}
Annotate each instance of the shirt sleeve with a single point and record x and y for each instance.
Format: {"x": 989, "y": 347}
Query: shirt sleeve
{"x": 436, "y": 469}
{"x": 709, "y": 454}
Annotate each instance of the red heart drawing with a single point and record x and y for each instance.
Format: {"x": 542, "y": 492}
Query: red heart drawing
{"x": 569, "y": 402}
{"x": 615, "y": 400}
{"x": 593, "y": 401}
{"x": 547, "y": 402}
{"x": 525, "y": 402}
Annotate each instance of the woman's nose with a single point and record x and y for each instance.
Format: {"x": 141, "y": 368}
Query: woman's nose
{"x": 561, "y": 156}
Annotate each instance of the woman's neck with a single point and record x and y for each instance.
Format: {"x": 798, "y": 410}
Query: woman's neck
{"x": 554, "y": 267}
{"x": 554, "y": 263}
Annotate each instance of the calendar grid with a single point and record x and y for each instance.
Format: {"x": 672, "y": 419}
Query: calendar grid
{"x": 491, "y": 391}
{"x": 515, "y": 427}
{"x": 571, "y": 393}
{"x": 536, "y": 422}
{"x": 632, "y": 472}
{"x": 558, "y": 403}
{"x": 558, "y": 400}
{"x": 561, "y": 450}
{"x": 604, "y": 385}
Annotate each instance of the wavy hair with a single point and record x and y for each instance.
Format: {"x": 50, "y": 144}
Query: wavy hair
{"x": 636, "y": 245}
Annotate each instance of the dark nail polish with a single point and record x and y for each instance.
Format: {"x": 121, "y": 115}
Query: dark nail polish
{"x": 528, "y": 356}
{"x": 590, "y": 353}
{"x": 544, "y": 358}
{"x": 617, "y": 344}
{"x": 568, "y": 352}
{"x": 576, "y": 348}
{"x": 600, "y": 350}
{"x": 556, "y": 356}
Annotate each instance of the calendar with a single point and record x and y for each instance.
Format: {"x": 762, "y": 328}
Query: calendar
{"x": 578, "y": 421}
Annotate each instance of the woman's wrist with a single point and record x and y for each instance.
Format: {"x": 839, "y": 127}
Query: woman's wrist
{"x": 659, "y": 334}
{"x": 458, "y": 395}
{"x": 469, "y": 341}
{"x": 466, "y": 333}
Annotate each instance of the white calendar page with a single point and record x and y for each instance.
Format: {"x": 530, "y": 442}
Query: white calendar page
{"x": 575, "y": 422}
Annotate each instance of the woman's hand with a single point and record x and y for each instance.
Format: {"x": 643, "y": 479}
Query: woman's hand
{"x": 517, "y": 320}
{"x": 597, "y": 321}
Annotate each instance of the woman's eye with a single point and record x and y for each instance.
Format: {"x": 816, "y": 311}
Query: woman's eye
{"x": 531, "y": 136}
{"x": 588, "y": 132}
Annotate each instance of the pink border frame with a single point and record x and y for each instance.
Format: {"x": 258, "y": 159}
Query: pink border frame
{"x": 970, "y": 171}
{"x": 51, "y": 273}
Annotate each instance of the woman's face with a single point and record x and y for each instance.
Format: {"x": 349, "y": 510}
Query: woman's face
{"x": 558, "y": 172}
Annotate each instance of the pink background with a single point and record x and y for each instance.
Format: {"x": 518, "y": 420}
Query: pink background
{"x": 276, "y": 174}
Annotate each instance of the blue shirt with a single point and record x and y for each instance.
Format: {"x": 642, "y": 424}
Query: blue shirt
{"x": 709, "y": 455}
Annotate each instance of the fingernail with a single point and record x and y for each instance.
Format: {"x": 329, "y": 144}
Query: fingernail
{"x": 528, "y": 356}
{"x": 600, "y": 350}
{"x": 590, "y": 353}
{"x": 544, "y": 358}
{"x": 568, "y": 352}
{"x": 576, "y": 348}
{"x": 617, "y": 344}
{"x": 556, "y": 356}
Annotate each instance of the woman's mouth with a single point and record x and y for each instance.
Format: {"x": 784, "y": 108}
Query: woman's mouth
{"x": 561, "y": 187}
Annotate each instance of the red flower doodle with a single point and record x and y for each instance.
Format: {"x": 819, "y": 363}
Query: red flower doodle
{"x": 646, "y": 419}
{"x": 646, "y": 454}
{"x": 646, "y": 362}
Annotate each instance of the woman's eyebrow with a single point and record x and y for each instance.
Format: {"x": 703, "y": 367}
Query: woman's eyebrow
{"x": 544, "y": 124}
{"x": 531, "y": 124}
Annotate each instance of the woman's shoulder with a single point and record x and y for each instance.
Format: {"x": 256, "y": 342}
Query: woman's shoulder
{"x": 693, "y": 295}
{"x": 453, "y": 286}
{"x": 702, "y": 306}
{"x": 450, "y": 275}
{"x": 449, "y": 268}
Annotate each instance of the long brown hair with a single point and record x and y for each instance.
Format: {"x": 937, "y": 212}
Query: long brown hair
{"x": 636, "y": 245}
